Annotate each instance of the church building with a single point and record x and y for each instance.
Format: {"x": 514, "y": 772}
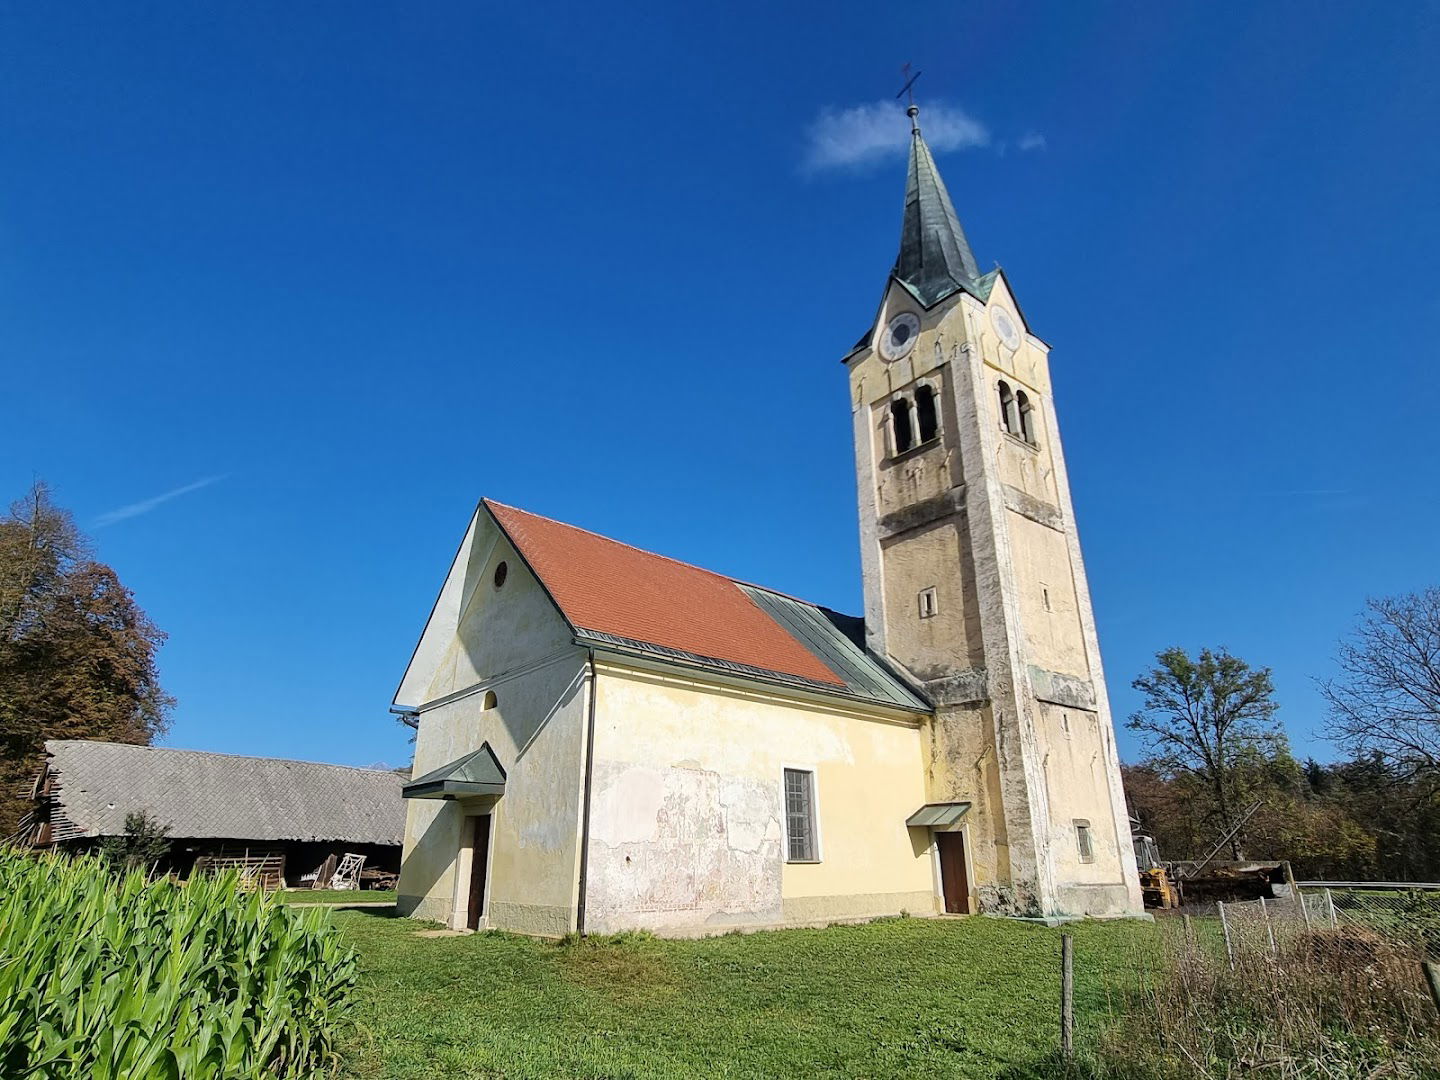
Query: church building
{"x": 608, "y": 739}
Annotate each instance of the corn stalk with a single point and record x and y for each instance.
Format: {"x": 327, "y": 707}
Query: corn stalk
{"x": 105, "y": 978}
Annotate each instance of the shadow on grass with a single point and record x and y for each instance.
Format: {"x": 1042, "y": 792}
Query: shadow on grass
{"x": 1053, "y": 1066}
{"x": 387, "y": 912}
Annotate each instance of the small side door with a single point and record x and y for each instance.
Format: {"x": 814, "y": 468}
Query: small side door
{"x": 954, "y": 883}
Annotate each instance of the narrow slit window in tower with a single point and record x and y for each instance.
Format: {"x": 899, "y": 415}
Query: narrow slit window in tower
{"x": 929, "y": 603}
{"x": 925, "y": 413}
{"x": 1082, "y": 838}
{"x": 900, "y": 424}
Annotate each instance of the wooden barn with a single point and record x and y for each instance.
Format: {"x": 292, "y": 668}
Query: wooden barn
{"x": 282, "y": 823}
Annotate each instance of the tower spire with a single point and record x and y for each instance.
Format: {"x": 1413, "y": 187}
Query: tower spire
{"x": 935, "y": 258}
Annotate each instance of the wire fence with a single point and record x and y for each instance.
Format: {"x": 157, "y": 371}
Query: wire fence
{"x": 1330, "y": 982}
{"x": 1348, "y": 918}
{"x": 1376, "y": 944}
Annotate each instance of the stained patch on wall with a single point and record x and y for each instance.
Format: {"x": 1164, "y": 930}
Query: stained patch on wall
{"x": 682, "y": 846}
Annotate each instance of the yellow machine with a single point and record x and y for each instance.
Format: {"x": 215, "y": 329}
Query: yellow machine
{"x": 1156, "y": 886}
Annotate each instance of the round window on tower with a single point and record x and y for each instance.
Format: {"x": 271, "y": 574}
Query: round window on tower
{"x": 500, "y": 572}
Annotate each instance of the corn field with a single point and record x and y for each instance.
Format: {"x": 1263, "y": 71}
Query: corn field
{"x": 105, "y": 977}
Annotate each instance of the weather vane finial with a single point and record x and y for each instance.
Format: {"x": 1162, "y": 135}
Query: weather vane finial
{"x": 908, "y": 91}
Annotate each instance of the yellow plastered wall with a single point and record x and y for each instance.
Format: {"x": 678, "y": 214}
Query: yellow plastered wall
{"x": 687, "y": 831}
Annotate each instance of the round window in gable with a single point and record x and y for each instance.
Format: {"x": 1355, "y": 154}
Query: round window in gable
{"x": 500, "y": 572}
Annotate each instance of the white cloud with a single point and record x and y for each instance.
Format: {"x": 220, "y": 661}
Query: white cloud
{"x": 1032, "y": 140}
{"x": 864, "y": 134}
{"x": 144, "y": 506}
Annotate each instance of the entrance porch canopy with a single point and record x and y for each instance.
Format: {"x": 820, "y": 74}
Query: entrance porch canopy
{"x": 477, "y": 773}
{"x": 938, "y": 815}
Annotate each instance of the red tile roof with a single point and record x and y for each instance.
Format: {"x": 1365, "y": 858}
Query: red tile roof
{"x": 613, "y": 588}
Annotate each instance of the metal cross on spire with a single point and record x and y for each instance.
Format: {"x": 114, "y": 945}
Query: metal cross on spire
{"x": 908, "y": 91}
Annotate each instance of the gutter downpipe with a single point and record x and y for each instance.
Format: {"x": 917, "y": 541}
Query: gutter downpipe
{"x": 585, "y": 804}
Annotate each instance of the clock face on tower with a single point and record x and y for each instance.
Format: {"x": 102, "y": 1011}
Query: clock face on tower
{"x": 1005, "y": 327}
{"x": 900, "y": 335}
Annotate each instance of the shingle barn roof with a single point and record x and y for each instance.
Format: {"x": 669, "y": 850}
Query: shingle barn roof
{"x": 199, "y": 794}
{"x": 615, "y": 594}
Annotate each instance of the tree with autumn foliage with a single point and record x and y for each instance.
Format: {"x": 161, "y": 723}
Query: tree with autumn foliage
{"x": 1209, "y": 724}
{"x": 77, "y": 654}
{"x": 1214, "y": 747}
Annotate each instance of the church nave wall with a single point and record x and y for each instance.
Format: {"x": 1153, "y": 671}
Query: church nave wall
{"x": 687, "y": 823}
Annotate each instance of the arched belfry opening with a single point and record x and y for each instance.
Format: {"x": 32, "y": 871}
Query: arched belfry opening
{"x": 1027, "y": 417}
{"x": 927, "y": 418}
{"x": 1008, "y": 419}
{"x": 900, "y": 428}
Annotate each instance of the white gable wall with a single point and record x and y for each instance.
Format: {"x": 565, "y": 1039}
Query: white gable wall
{"x": 512, "y": 642}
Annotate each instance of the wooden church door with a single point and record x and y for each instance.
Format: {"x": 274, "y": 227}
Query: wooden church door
{"x": 953, "y": 881}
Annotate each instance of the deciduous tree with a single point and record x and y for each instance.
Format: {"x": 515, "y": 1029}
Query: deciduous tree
{"x": 77, "y": 654}
{"x": 1210, "y": 720}
{"x": 1386, "y": 700}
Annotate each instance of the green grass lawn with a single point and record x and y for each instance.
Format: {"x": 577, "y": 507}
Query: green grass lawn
{"x": 337, "y": 896}
{"x": 916, "y": 998}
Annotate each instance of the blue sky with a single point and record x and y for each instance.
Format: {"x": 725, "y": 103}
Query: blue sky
{"x": 328, "y": 274}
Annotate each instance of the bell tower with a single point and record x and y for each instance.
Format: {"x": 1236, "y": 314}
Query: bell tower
{"x": 974, "y": 583}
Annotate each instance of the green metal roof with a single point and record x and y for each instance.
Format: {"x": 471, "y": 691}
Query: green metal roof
{"x": 935, "y": 259}
{"x": 477, "y": 773}
{"x": 838, "y": 642}
{"x": 933, "y": 815}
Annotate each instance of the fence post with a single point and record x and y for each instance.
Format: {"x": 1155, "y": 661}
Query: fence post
{"x": 1067, "y": 997}
{"x": 1432, "y": 976}
{"x": 1295, "y": 892}
{"x": 1265, "y": 913}
{"x": 1189, "y": 931}
{"x": 1330, "y": 907}
{"x": 1225, "y": 929}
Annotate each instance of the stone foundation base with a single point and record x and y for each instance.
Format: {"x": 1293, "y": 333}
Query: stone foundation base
{"x": 535, "y": 920}
{"x": 802, "y": 911}
{"x": 1095, "y": 901}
